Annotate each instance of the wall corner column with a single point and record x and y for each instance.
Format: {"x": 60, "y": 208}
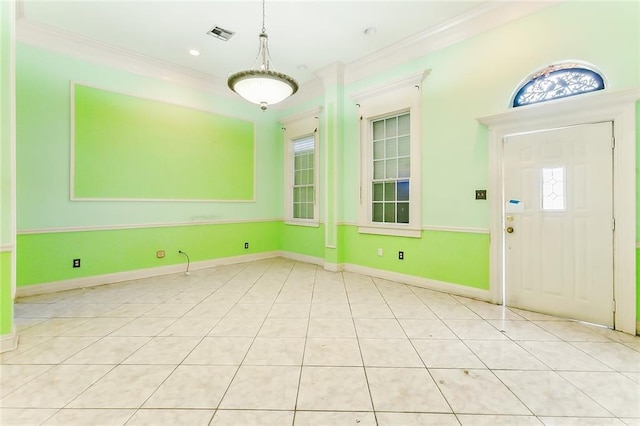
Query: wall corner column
{"x": 333, "y": 81}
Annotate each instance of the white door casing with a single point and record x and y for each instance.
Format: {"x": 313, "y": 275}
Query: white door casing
{"x": 618, "y": 107}
{"x": 558, "y": 198}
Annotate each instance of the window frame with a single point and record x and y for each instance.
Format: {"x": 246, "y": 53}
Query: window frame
{"x": 397, "y": 97}
{"x": 295, "y": 128}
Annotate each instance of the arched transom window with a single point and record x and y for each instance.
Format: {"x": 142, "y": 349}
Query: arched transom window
{"x": 558, "y": 81}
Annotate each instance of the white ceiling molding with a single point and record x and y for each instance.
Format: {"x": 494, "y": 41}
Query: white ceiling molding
{"x": 465, "y": 26}
{"x": 71, "y": 44}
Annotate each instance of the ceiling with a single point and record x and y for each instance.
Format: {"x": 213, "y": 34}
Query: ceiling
{"x": 305, "y": 36}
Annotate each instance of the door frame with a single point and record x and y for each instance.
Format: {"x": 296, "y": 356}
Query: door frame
{"x": 618, "y": 107}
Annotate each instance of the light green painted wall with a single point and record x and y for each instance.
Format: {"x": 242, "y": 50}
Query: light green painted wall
{"x": 6, "y": 296}
{"x": 453, "y": 257}
{"x": 126, "y": 147}
{"x": 48, "y": 257}
{"x": 306, "y": 240}
{"x": 43, "y": 113}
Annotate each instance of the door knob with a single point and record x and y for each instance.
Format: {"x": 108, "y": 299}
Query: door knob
{"x": 510, "y": 229}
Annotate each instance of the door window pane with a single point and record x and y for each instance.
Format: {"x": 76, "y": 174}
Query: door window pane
{"x": 553, "y": 188}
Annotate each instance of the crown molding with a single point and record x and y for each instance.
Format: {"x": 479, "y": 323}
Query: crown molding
{"x": 75, "y": 45}
{"x": 462, "y": 27}
{"x": 467, "y": 25}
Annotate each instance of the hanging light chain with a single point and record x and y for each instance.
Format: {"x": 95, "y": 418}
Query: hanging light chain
{"x": 264, "y": 28}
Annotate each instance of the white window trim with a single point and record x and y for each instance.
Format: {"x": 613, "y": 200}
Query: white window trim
{"x": 295, "y": 127}
{"x": 397, "y": 96}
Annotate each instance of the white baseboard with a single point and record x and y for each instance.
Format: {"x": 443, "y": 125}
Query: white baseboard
{"x": 302, "y": 258}
{"x": 96, "y": 280}
{"x": 9, "y": 342}
{"x": 445, "y": 287}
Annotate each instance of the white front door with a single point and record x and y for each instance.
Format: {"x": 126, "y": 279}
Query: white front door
{"x": 558, "y": 220}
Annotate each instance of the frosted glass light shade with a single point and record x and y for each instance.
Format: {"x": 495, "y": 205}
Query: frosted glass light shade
{"x": 262, "y": 88}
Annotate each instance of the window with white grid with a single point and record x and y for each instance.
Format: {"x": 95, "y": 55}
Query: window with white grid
{"x": 303, "y": 177}
{"x": 391, "y": 168}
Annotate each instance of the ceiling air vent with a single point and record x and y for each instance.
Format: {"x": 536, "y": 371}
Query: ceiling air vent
{"x": 221, "y": 33}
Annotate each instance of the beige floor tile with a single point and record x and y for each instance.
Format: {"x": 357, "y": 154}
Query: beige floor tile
{"x": 129, "y": 310}
{"x": 330, "y": 310}
{"x": 237, "y": 327}
{"x": 334, "y": 389}
{"x": 477, "y": 392}
{"x": 106, "y": 417}
{"x": 284, "y": 327}
{"x": 379, "y": 329}
{"x": 249, "y": 310}
{"x": 14, "y": 376}
{"x": 522, "y": 330}
{"x": 563, "y": 356}
{"x": 331, "y": 327}
{"x": 54, "y": 326}
{"x": 453, "y": 312}
{"x": 405, "y": 390}
{"x": 169, "y": 310}
{"x": 371, "y": 310}
{"x": 332, "y": 351}
{"x": 163, "y": 350}
{"x": 263, "y": 388}
{"x": 389, "y": 353}
{"x": 426, "y": 329}
{"x": 53, "y": 351}
{"x": 504, "y": 355}
{"x": 547, "y": 394}
{"x": 97, "y": 327}
{"x": 416, "y": 419}
{"x": 412, "y": 310}
{"x": 56, "y": 387}
{"x": 108, "y": 350}
{"x": 142, "y": 327}
{"x": 193, "y": 386}
{"x": 494, "y": 420}
{"x": 614, "y": 391}
{"x": 583, "y": 421}
{"x": 151, "y": 417}
{"x": 252, "y": 417}
{"x": 219, "y": 351}
{"x": 190, "y": 326}
{"x": 615, "y": 355}
{"x": 290, "y": 310}
{"x": 324, "y": 418}
{"x": 571, "y": 331}
{"x": 446, "y": 354}
{"x": 474, "y": 329}
{"x": 275, "y": 351}
{"x": 25, "y": 416}
{"x": 126, "y": 386}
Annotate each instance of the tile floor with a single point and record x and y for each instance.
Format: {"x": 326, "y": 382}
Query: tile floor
{"x": 278, "y": 342}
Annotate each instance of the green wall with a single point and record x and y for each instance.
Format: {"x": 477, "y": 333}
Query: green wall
{"x": 6, "y": 296}
{"x": 43, "y": 148}
{"x": 49, "y": 257}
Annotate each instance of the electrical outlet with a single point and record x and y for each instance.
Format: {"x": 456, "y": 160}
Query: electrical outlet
{"x": 76, "y": 263}
{"x": 400, "y": 255}
{"x": 160, "y": 254}
{"x": 481, "y": 194}
{"x": 246, "y": 245}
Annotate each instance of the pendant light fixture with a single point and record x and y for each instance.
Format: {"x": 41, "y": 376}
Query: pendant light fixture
{"x": 262, "y": 85}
